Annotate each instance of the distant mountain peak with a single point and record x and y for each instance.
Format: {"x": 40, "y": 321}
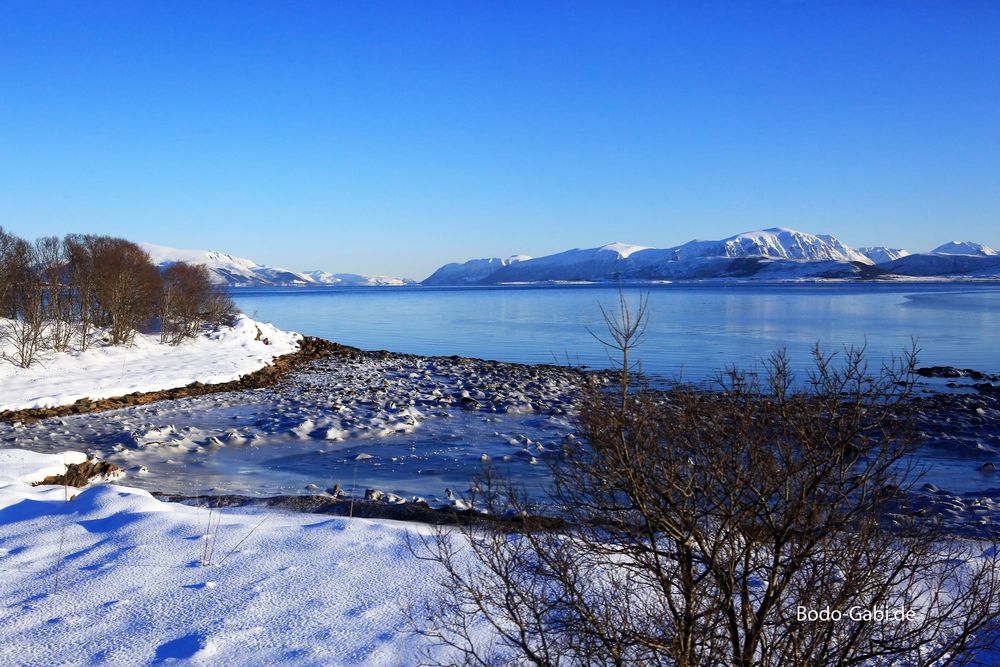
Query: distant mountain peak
{"x": 964, "y": 248}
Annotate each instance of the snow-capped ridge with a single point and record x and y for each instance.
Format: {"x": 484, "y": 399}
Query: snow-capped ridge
{"x": 776, "y": 243}
{"x": 776, "y": 252}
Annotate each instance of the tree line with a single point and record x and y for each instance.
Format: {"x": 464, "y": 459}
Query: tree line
{"x": 64, "y": 294}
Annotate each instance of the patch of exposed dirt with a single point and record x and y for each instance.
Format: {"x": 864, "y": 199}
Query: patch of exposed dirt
{"x": 78, "y": 474}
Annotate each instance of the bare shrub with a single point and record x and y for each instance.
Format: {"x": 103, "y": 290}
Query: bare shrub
{"x": 702, "y": 525}
{"x": 189, "y": 300}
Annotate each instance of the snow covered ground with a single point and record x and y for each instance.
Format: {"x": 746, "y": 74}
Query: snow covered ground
{"x": 114, "y": 576}
{"x": 148, "y": 365}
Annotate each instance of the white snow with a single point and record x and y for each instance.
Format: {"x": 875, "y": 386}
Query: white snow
{"x": 61, "y": 378}
{"x": 114, "y": 576}
{"x": 20, "y": 465}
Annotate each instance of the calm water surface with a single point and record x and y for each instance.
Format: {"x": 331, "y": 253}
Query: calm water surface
{"x": 693, "y": 330}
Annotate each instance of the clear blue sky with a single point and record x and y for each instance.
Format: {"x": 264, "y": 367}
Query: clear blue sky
{"x": 391, "y": 137}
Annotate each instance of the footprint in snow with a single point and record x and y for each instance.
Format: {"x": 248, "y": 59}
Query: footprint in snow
{"x": 181, "y": 648}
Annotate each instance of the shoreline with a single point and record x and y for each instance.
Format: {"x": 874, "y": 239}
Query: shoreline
{"x": 310, "y": 348}
{"x": 340, "y": 397}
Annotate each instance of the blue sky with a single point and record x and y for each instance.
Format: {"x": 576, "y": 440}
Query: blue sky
{"x": 391, "y": 137}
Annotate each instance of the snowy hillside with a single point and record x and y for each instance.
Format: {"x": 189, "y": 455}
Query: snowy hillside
{"x": 148, "y": 365}
{"x": 964, "y": 248}
{"x": 773, "y": 254}
{"x": 241, "y": 272}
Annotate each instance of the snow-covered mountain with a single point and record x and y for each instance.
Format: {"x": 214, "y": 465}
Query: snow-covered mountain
{"x": 241, "y": 272}
{"x": 769, "y": 254}
{"x": 879, "y": 254}
{"x": 775, "y": 252}
{"x": 471, "y": 272}
{"x": 964, "y": 248}
{"x": 576, "y": 264}
{"x": 775, "y": 243}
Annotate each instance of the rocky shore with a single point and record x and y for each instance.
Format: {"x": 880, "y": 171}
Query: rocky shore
{"x": 328, "y": 412}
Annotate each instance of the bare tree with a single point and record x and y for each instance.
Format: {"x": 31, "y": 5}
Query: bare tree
{"x": 21, "y": 334}
{"x": 127, "y": 287}
{"x": 81, "y": 276}
{"x": 626, "y": 330}
{"x": 764, "y": 522}
{"x": 188, "y": 300}
{"x": 8, "y": 247}
{"x": 58, "y": 302}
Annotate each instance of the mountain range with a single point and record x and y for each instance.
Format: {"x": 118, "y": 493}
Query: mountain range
{"x": 775, "y": 254}
{"x": 769, "y": 254}
{"x": 241, "y": 272}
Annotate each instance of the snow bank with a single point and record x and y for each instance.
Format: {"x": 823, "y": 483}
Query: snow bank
{"x": 281, "y": 588}
{"x": 148, "y": 365}
{"x": 20, "y": 465}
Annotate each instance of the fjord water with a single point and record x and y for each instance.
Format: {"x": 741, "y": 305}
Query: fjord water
{"x": 694, "y": 330}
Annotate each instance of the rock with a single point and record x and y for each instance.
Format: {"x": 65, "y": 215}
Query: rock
{"x": 311, "y": 487}
{"x": 989, "y": 466}
{"x": 79, "y": 474}
{"x": 950, "y": 372}
{"x": 374, "y": 495}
